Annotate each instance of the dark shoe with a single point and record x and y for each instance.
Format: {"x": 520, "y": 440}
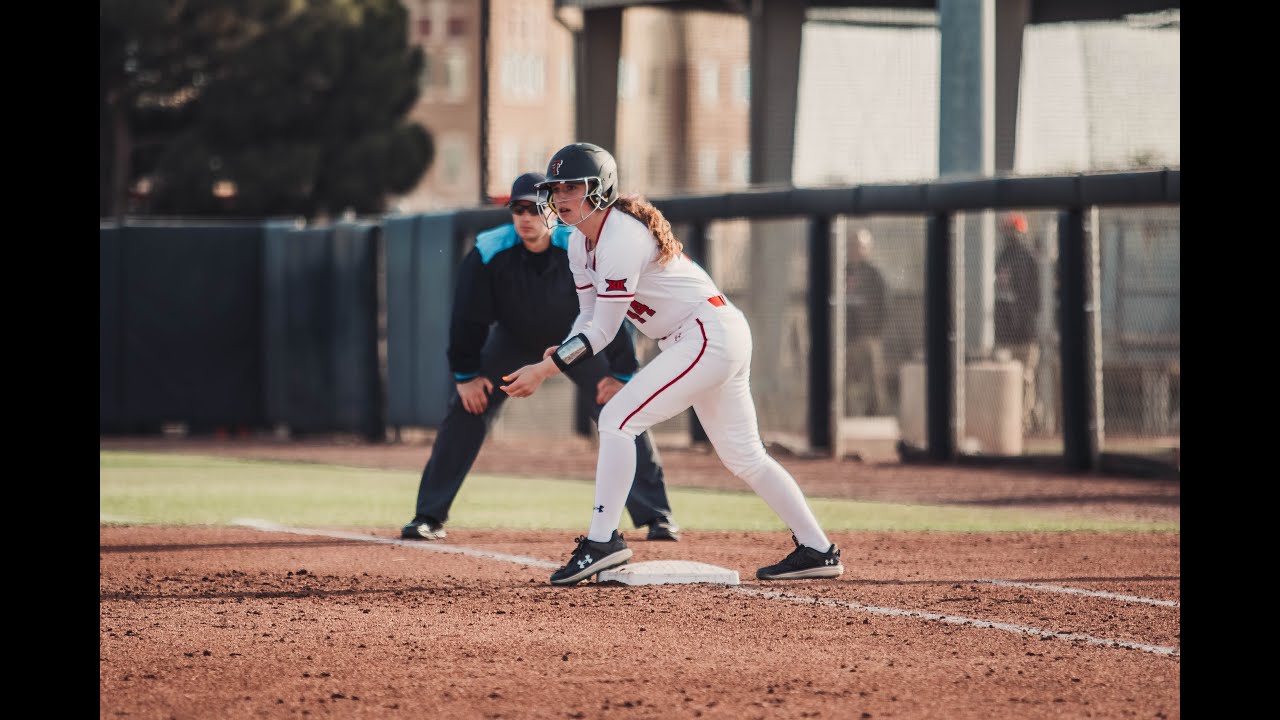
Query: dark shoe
{"x": 423, "y": 529}
{"x": 664, "y": 530}
{"x": 804, "y": 562}
{"x": 590, "y": 558}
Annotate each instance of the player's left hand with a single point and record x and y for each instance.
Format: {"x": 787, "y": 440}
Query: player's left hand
{"x": 606, "y": 389}
{"x": 526, "y": 381}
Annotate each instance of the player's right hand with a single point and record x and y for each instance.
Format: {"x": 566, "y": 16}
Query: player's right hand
{"x": 526, "y": 381}
{"x": 474, "y": 394}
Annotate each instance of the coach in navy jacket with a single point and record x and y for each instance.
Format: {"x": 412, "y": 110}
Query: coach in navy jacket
{"x": 514, "y": 297}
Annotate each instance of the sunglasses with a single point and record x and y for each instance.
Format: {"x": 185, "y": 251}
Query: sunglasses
{"x": 524, "y": 210}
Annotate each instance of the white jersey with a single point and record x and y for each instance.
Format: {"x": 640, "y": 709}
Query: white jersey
{"x": 704, "y": 363}
{"x": 622, "y": 275}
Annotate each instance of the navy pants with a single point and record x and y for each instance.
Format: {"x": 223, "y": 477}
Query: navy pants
{"x": 461, "y": 435}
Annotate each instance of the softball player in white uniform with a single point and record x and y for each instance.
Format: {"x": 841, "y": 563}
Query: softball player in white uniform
{"x": 627, "y": 265}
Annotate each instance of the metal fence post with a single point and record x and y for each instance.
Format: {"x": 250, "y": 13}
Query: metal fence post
{"x": 941, "y": 343}
{"x": 1081, "y": 337}
{"x": 819, "y": 302}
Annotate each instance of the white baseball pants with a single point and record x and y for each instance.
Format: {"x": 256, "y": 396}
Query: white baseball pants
{"x": 705, "y": 363}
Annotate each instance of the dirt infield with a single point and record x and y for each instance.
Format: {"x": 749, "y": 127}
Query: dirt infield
{"x": 248, "y": 623}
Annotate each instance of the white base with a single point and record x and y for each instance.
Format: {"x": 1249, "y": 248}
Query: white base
{"x": 668, "y": 572}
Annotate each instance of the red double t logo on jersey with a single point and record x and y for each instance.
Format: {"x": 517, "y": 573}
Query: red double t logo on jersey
{"x": 616, "y": 285}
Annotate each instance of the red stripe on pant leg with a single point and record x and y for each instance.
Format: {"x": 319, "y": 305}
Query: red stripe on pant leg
{"x": 673, "y": 381}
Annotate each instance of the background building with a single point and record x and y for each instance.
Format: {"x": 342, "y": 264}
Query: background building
{"x": 1093, "y": 96}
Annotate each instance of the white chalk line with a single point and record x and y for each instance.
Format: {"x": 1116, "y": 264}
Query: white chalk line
{"x": 768, "y": 594}
{"x": 1079, "y": 591}
{"x": 427, "y": 545}
{"x": 958, "y": 620}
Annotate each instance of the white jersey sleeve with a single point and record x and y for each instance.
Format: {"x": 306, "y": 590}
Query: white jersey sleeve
{"x": 582, "y": 283}
{"x": 600, "y": 314}
{"x": 606, "y": 277}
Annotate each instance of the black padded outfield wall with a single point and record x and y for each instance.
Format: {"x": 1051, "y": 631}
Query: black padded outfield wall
{"x": 110, "y": 331}
{"x": 421, "y": 258}
{"x": 239, "y": 327}
{"x": 307, "y": 297}
{"x": 180, "y": 329}
{"x": 276, "y": 324}
{"x": 320, "y": 317}
{"x": 358, "y": 385}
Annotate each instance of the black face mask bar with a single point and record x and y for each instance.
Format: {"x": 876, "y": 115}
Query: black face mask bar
{"x": 593, "y": 194}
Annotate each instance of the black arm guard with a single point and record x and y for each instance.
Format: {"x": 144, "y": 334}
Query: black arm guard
{"x": 571, "y": 352}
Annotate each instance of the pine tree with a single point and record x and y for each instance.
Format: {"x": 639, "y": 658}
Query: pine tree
{"x": 299, "y": 105}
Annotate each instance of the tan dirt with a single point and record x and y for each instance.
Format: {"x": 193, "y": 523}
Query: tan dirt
{"x": 210, "y": 622}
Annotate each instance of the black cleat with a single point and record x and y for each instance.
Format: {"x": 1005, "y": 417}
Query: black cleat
{"x": 423, "y": 529}
{"x": 803, "y": 563}
{"x": 590, "y": 558}
{"x": 663, "y": 529}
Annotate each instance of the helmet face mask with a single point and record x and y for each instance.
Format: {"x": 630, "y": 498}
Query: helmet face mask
{"x": 584, "y": 163}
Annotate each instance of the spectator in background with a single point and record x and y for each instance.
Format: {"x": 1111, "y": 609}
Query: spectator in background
{"x": 1017, "y": 305}
{"x": 864, "y": 328}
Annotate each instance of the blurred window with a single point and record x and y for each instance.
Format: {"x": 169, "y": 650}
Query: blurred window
{"x": 523, "y": 77}
{"x": 709, "y": 82}
{"x": 424, "y": 27}
{"x": 509, "y": 158}
{"x": 626, "y": 79}
{"x": 708, "y": 167}
{"x": 424, "y": 78}
{"x": 516, "y": 25}
{"x": 457, "y": 27}
{"x": 740, "y": 172}
{"x": 455, "y": 71}
{"x": 452, "y": 155}
{"x": 566, "y": 78}
{"x": 742, "y": 85}
{"x": 537, "y": 156}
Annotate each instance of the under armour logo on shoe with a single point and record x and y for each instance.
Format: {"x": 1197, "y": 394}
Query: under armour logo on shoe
{"x": 585, "y": 561}
{"x": 599, "y": 508}
{"x": 829, "y": 561}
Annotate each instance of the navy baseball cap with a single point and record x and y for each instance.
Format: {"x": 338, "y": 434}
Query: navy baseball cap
{"x": 525, "y": 188}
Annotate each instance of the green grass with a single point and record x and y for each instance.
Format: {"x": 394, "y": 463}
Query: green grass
{"x": 166, "y": 489}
